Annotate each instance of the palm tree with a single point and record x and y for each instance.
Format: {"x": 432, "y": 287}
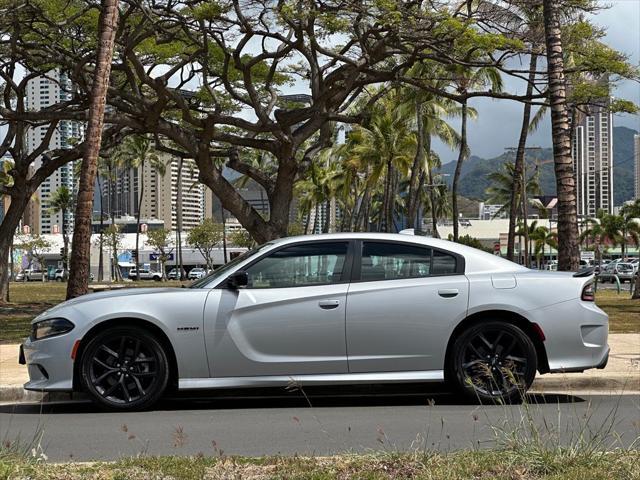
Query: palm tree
{"x": 504, "y": 187}
{"x": 629, "y": 226}
{"x": 62, "y": 201}
{"x": 568, "y": 251}
{"x": 602, "y": 231}
{"x": 388, "y": 145}
{"x": 542, "y": 237}
{"x": 79, "y": 271}
{"x": 430, "y": 113}
{"x": 134, "y": 153}
{"x": 631, "y": 212}
{"x": 107, "y": 170}
{"x": 465, "y": 79}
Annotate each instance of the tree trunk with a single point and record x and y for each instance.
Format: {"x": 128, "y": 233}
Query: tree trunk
{"x": 101, "y": 241}
{"x": 280, "y": 198}
{"x": 138, "y": 216}
{"x": 385, "y": 214}
{"x": 179, "y": 219}
{"x": 458, "y": 171}
{"x": 432, "y": 196}
{"x": 416, "y": 169}
{"x": 568, "y": 250}
{"x": 362, "y": 208}
{"x": 307, "y": 221}
{"x": 519, "y": 163}
{"x": 79, "y": 268}
{"x": 224, "y": 237}
{"x": 525, "y": 214}
{"x": 7, "y": 231}
{"x": 65, "y": 240}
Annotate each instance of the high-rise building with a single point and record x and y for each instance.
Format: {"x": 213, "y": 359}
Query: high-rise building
{"x": 161, "y": 194}
{"x": 42, "y": 92}
{"x": 592, "y": 151}
{"x": 636, "y": 156}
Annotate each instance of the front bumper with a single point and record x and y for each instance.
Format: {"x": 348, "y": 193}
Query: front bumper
{"x": 49, "y": 363}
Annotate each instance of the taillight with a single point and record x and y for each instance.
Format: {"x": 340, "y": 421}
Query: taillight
{"x": 588, "y": 293}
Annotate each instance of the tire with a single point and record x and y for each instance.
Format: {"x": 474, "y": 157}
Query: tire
{"x": 136, "y": 383}
{"x": 492, "y": 362}
{"x": 157, "y": 279}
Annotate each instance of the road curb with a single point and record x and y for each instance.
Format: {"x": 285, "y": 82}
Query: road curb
{"x": 614, "y": 384}
{"x": 17, "y": 394}
{"x": 622, "y": 383}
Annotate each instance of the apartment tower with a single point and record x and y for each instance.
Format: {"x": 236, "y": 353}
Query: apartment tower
{"x": 42, "y": 92}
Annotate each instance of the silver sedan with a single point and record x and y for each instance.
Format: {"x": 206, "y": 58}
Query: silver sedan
{"x": 326, "y": 310}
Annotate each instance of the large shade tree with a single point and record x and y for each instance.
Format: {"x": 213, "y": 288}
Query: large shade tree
{"x": 242, "y": 54}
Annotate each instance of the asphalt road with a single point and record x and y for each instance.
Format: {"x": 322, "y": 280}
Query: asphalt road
{"x": 344, "y": 422}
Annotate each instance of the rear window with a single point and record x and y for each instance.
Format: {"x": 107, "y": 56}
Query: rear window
{"x": 394, "y": 261}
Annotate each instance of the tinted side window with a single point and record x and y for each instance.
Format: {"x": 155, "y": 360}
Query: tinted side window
{"x": 443, "y": 264}
{"x": 392, "y": 261}
{"x": 300, "y": 265}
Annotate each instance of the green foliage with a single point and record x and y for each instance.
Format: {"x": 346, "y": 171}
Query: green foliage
{"x": 113, "y": 238}
{"x": 62, "y": 200}
{"x": 206, "y": 237}
{"x": 210, "y": 10}
{"x": 241, "y": 238}
{"x": 471, "y": 242}
{"x": 35, "y": 246}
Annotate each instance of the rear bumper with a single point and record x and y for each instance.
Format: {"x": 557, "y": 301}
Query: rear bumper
{"x": 599, "y": 366}
{"x": 576, "y": 335}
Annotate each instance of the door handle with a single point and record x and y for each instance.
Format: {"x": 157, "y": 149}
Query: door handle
{"x": 329, "y": 304}
{"x": 448, "y": 292}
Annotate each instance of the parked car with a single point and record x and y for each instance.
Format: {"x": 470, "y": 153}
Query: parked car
{"x": 624, "y": 272}
{"x": 173, "y": 274}
{"x": 145, "y": 274}
{"x": 326, "y": 310}
{"x": 196, "y": 273}
{"x": 59, "y": 275}
{"x": 31, "y": 275}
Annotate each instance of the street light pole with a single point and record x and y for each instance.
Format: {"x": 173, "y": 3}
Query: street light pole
{"x": 418, "y": 230}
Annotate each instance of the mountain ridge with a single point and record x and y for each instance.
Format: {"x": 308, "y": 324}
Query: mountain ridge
{"x": 474, "y": 181}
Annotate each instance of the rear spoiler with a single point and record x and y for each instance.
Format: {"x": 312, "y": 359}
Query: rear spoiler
{"x": 587, "y": 272}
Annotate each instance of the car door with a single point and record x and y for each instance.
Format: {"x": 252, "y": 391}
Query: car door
{"x": 288, "y": 320}
{"x": 402, "y": 304}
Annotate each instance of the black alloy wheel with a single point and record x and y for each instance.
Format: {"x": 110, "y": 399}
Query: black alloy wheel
{"x": 124, "y": 368}
{"x": 493, "y": 362}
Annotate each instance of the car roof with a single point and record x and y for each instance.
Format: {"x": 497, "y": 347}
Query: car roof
{"x": 476, "y": 261}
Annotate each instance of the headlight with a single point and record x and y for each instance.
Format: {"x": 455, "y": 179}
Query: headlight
{"x": 50, "y": 328}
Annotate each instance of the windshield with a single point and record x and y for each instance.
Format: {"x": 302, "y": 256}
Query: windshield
{"x": 625, "y": 267}
{"x": 222, "y": 271}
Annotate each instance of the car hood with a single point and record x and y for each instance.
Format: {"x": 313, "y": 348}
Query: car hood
{"x": 126, "y": 292}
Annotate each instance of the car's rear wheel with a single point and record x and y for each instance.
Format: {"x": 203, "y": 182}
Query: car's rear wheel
{"x": 124, "y": 368}
{"x": 493, "y": 362}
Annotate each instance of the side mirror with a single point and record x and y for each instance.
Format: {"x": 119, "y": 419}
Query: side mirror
{"x": 238, "y": 279}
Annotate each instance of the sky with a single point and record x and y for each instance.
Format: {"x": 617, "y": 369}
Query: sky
{"x": 498, "y": 124}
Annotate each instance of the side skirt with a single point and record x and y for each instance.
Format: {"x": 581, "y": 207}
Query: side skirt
{"x": 325, "y": 379}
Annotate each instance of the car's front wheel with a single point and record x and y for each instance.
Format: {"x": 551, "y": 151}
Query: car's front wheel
{"x": 492, "y": 362}
{"x": 124, "y": 368}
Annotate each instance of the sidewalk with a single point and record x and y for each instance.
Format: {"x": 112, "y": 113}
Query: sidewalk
{"x": 622, "y": 374}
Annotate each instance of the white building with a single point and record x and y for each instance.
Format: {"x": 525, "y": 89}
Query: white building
{"x": 488, "y": 211}
{"x": 42, "y": 92}
{"x": 592, "y": 151}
